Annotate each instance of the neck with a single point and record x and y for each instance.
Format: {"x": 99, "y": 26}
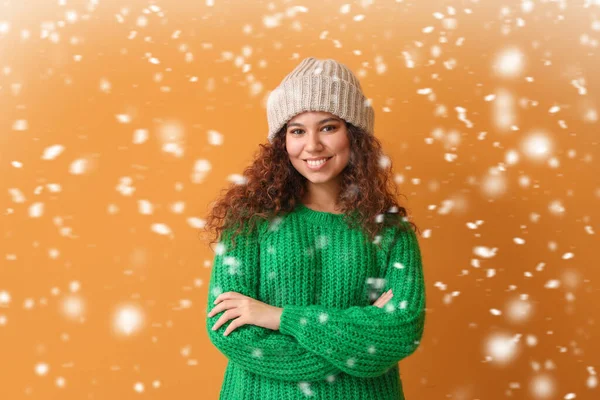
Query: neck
{"x": 322, "y": 196}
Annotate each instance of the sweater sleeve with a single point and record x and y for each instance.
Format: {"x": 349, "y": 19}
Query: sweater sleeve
{"x": 257, "y": 349}
{"x": 367, "y": 341}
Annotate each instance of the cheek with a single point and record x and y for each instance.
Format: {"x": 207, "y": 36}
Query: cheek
{"x": 343, "y": 157}
{"x": 293, "y": 150}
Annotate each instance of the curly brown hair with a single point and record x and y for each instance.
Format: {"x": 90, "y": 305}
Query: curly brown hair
{"x": 273, "y": 187}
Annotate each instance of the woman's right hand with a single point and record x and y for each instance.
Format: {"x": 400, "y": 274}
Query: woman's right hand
{"x": 383, "y": 299}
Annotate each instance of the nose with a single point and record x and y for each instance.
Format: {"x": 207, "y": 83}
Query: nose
{"x": 313, "y": 142}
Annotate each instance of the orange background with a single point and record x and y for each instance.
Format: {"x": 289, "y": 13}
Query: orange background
{"x": 121, "y": 121}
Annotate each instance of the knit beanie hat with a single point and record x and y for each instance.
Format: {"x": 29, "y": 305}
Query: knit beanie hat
{"x": 319, "y": 85}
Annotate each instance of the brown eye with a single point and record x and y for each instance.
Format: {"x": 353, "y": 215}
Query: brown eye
{"x": 326, "y": 126}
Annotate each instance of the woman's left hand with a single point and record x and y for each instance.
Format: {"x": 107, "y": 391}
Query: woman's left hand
{"x": 247, "y": 310}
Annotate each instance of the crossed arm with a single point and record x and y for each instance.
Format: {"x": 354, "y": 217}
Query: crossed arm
{"x": 314, "y": 342}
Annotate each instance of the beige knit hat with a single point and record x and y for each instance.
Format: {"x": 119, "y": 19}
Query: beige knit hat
{"x": 319, "y": 85}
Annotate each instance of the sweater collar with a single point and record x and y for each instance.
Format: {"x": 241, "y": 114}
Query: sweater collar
{"x": 319, "y": 217}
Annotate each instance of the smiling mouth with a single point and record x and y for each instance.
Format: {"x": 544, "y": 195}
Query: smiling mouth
{"x": 325, "y": 158}
{"x": 319, "y": 165}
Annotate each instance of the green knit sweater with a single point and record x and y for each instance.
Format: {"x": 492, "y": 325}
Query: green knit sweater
{"x": 332, "y": 342}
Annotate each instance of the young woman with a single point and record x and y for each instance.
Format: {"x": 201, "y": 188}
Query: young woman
{"x": 306, "y": 245}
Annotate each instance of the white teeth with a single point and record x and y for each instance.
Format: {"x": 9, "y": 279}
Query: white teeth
{"x": 316, "y": 163}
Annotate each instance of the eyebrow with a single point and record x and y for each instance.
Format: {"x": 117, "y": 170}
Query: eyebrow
{"x": 320, "y": 122}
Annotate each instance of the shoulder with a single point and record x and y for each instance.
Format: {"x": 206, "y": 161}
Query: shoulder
{"x": 397, "y": 228}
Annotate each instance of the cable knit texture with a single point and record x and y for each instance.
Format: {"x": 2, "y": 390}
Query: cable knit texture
{"x": 332, "y": 342}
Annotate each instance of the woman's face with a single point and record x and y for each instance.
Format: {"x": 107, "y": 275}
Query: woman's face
{"x": 318, "y": 134}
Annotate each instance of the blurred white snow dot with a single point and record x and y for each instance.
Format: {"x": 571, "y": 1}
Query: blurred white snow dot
{"x": 79, "y": 166}
{"x": 73, "y": 307}
{"x": 51, "y": 152}
{"x": 142, "y": 21}
{"x": 174, "y": 148}
{"x": 41, "y": 369}
{"x": 306, "y": 389}
{"x": 511, "y": 157}
{"x": 53, "y": 187}
{"x": 145, "y": 207}
{"x": 509, "y": 62}
{"x": 450, "y": 157}
{"x": 537, "y": 146}
{"x": 124, "y": 187}
{"x": 527, "y": 6}
{"x": 138, "y": 387}
{"x": 20, "y": 125}
{"x": 105, "y": 85}
{"x": 567, "y": 256}
{"x": 494, "y": 185}
{"x": 552, "y": 284}
{"x": 501, "y": 348}
{"x": 542, "y": 387}
{"x": 28, "y": 303}
{"x": 15, "y": 88}
{"x": 531, "y": 340}
{"x": 4, "y": 26}
{"x": 237, "y": 179}
{"x": 177, "y": 207}
{"x": 590, "y": 115}
{"x": 161, "y": 229}
{"x": 170, "y": 132}
{"x": 571, "y": 278}
{"x": 140, "y": 136}
{"x": 200, "y": 170}
{"x": 123, "y": 118}
{"x": 485, "y": 252}
{"x": 4, "y": 297}
{"x": 127, "y": 319}
{"x": 215, "y": 138}
{"x": 53, "y": 253}
{"x": 185, "y": 303}
{"x": 556, "y": 207}
{"x": 36, "y": 210}
{"x": 196, "y": 222}
{"x": 60, "y": 382}
{"x": 524, "y": 181}
{"x": 384, "y": 161}
{"x": 74, "y": 286}
{"x": 518, "y": 310}
{"x": 186, "y": 351}
{"x": 519, "y": 240}
{"x": 156, "y": 384}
